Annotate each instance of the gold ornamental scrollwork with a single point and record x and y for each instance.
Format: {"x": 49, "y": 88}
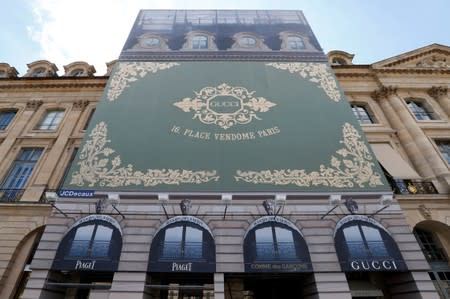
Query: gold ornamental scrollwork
{"x": 318, "y": 73}
{"x": 353, "y": 167}
{"x": 98, "y": 167}
{"x": 246, "y": 105}
{"x": 128, "y": 72}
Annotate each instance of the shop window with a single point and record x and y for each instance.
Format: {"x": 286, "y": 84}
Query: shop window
{"x": 275, "y": 243}
{"x": 199, "y": 42}
{"x": 362, "y": 244}
{"x": 419, "y": 110}
{"x": 91, "y": 241}
{"x": 444, "y": 148}
{"x": 441, "y": 281}
{"x": 94, "y": 243}
{"x": 183, "y": 246}
{"x": 6, "y": 117}
{"x": 51, "y": 120}
{"x": 18, "y": 175}
{"x": 362, "y": 114}
{"x": 430, "y": 246}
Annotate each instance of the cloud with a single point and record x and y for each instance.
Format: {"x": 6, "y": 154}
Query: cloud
{"x": 88, "y": 30}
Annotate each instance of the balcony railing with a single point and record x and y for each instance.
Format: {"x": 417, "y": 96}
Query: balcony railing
{"x": 11, "y": 195}
{"x": 412, "y": 187}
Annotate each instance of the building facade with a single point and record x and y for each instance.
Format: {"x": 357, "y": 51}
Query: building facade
{"x": 228, "y": 244}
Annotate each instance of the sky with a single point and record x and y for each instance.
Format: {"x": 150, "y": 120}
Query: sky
{"x": 64, "y": 31}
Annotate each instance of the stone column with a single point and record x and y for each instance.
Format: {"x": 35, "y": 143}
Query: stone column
{"x": 440, "y": 94}
{"x": 395, "y": 116}
{"x": 219, "y": 286}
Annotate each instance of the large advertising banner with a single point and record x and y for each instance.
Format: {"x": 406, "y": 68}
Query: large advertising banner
{"x": 224, "y": 126}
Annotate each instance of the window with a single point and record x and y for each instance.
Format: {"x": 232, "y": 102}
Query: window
{"x": 200, "y": 42}
{"x": 247, "y": 42}
{"x": 444, "y": 148}
{"x": 89, "y": 119}
{"x": 183, "y": 242}
{"x": 419, "y": 110}
{"x": 5, "y": 118}
{"x": 3, "y": 74}
{"x": 51, "y": 120}
{"x": 429, "y": 245}
{"x": 274, "y": 242}
{"x": 39, "y": 72}
{"x": 19, "y": 174}
{"x": 91, "y": 241}
{"x": 364, "y": 241}
{"x": 338, "y": 61}
{"x": 150, "y": 42}
{"x": 295, "y": 43}
{"x": 77, "y": 73}
{"x": 361, "y": 113}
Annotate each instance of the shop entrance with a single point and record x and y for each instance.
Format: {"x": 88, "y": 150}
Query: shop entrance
{"x": 180, "y": 286}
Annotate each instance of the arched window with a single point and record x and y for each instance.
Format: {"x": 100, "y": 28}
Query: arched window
{"x": 183, "y": 243}
{"x": 77, "y": 73}
{"x": 362, "y": 114}
{"x": 295, "y": 42}
{"x": 91, "y": 241}
{"x": 200, "y": 42}
{"x": 362, "y": 244}
{"x": 39, "y": 72}
{"x": 94, "y": 243}
{"x": 430, "y": 246}
{"x": 275, "y": 242}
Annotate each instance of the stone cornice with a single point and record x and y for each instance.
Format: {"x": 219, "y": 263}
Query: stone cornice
{"x": 51, "y": 83}
{"x": 383, "y": 92}
{"x": 415, "y": 56}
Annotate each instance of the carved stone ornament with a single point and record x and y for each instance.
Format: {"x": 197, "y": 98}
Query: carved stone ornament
{"x": 269, "y": 206}
{"x": 384, "y": 92}
{"x": 97, "y": 167}
{"x": 101, "y": 205}
{"x": 80, "y": 104}
{"x": 34, "y": 104}
{"x": 351, "y": 205}
{"x": 437, "y": 92}
{"x": 435, "y": 61}
{"x": 185, "y": 206}
{"x": 426, "y": 212}
{"x": 353, "y": 167}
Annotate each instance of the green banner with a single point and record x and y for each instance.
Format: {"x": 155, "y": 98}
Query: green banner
{"x": 224, "y": 126}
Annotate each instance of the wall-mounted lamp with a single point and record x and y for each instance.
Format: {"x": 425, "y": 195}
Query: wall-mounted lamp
{"x": 114, "y": 200}
{"x": 51, "y": 198}
{"x": 227, "y": 200}
{"x": 334, "y": 201}
{"x": 385, "y": 202}
{"x": 163, "y": 198}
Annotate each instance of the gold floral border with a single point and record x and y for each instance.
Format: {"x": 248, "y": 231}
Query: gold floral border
{"x": 318, "y": 73}
{"x": 353, "y": 167}
{"x": 128, "y": 72}
{"x": 249, "y": 106}
{"x": 96, "y": 167}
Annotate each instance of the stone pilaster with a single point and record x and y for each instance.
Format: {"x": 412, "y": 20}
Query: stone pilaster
{"x": 382, "y": 96}
{"x": 440, "y": 94}
{"x": 219, "y": 286}
{"x": 415, "y": 142}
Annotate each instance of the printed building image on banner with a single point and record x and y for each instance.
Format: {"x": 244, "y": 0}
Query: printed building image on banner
{"x": 224, "y": 126}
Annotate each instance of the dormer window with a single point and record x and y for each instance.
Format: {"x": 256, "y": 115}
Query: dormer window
{"x": 3, "y": 74}
{"x": 247, "y": 42}
{"x": 295, "y": 42}
{"x": 150, "y": 42}
{"x": 77, "y": 73}
{"x": 200, "y": 42}
{"x": 338, "y": 61}
{"x": 39, "y": 72}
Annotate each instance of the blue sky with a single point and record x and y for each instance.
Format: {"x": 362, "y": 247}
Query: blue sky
{"x": 64, "y": 31}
